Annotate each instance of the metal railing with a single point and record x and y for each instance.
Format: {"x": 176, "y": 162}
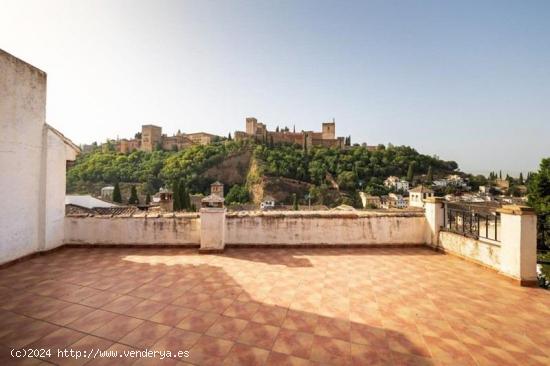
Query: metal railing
{"x": 472, "y": 221}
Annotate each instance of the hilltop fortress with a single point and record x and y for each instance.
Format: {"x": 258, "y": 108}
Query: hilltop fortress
{"x": 258, "y": 131}
{"x": 151, "y": 138}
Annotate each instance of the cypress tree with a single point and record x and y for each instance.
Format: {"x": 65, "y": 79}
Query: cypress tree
{"x": 229, "y": 137}
{"x": 148, "y": 199}
{"x": 176, "y": 195}
{"x": 410, "y": 172}
{"x": 294, "y": 202}
{"x": 183, "y": 196}
{"x": 521, "y": 178}
{"x": 133, "y": 200}
{"x": 430, "y": 176}
{"x": 117, "y": 197}
{"x": 500, "y": 174}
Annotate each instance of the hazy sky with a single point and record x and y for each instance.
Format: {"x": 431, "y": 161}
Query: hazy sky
{"x": 466, "y": 80}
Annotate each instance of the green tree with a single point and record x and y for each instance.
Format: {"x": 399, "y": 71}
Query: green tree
{"x": 117, "y": 197}
{"x": 183, "y": 196}
{"x": 237, "y": 194}
{"x": 430, "y": 175}
{"x": 347, "y": 180}
{"x": 521, "y": 182}
{"x": 410, "y": 172}
{"x": 133, "y": 200}
{"x": 539, "y": 189}
{"x": 229, "y": 136}
{"x": 148, "y": 199}
{"x": 176, "y": 195}
{"x": 294, "y": 202}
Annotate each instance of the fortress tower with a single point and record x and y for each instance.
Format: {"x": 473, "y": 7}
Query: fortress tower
{"x": 150, "y": 136}
{"x": 251, "y": 125}
{"x": 329, "y": 130}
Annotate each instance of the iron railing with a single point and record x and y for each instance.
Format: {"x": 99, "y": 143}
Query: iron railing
{"x": 472, "y": 221}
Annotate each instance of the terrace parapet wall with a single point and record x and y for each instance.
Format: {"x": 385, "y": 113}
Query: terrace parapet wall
{"x": 252, "y": 228}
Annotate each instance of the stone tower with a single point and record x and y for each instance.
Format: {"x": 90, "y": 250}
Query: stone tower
{"x": 150, "y": 136}
{"x": 251, "y": 125}
{"x": 329, "y": 130}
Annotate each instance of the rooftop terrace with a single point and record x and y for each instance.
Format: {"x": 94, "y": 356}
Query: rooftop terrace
{"x": 273, "y": 306}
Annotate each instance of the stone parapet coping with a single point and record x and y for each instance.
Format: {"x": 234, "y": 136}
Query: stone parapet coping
{"x": 267, "y": 214}
{"x": 325, "y": 214}
{"x": 516, "y": 210}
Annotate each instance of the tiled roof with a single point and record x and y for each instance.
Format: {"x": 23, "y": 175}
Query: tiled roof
{"x": 421, "y": 189}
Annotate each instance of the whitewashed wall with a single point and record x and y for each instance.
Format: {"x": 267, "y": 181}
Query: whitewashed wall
{"x": 58, "y": 152}
{"x": 132, "y": 231}
{"x": 482, "y": 252}
{"x": 33, "y": 163}
{"x": 265, "y": 229}
{"x": 22, "y": 117}
{"x": 332, "y": 228}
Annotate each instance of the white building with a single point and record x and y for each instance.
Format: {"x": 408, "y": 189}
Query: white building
{"x": 456, "y": 180}
{"x": 440, "y": 183}
{"x": 107, "y": 192}
{"x": 393, "y": 201}
{"x": 33, "y": 157}
{"x": 267, "y": 203}
{"x": 87, "y": 201}
{"x": 396, "y": 183}
{"x": 418, "y": 194}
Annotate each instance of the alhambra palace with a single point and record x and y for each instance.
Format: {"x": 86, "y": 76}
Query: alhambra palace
{"x": 258, "y": 131}
{"x": 151, "y": 137}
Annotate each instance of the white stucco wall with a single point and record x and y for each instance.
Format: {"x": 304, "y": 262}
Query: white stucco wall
{"x": 263, "y": 229}
{"x": 58, "y": 152}
{"x": 133, "y": 230}
{"x": 33, "y": 161}
{"x": 334, "y": 228}
{"x": 22, "y": 117}
{"x": 483, "y": 252}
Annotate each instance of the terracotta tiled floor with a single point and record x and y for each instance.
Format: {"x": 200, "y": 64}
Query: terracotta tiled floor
{"x": 273, "y": 307}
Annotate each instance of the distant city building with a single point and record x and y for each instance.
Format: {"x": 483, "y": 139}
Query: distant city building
{"x": 258, "y": 131}
{"x": 440, "y": 183}
{"x": 369, "y": 201}
{"x": 456, "y": 180}
{"x": 107, "y": 193}
{"x": 502, "y": 184}
{"x": 87, "y": 201}
{"x": 152, "y": 138}
{"x": 393, "y": 201}
{"x": 418, "y": 194}
{"x": 397, "y": 183}
{"x": 267, "y": 203}
{"x": 166, "y": 200}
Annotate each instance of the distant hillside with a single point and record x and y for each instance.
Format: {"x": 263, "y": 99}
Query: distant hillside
{"x": 328, "y": 176}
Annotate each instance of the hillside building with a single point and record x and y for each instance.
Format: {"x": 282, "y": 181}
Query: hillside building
{"x": 397, "y": 183}
{"x": 418, "y": 194}
{"x": 152, "y": 138}
{"x": 258, "y": 131}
